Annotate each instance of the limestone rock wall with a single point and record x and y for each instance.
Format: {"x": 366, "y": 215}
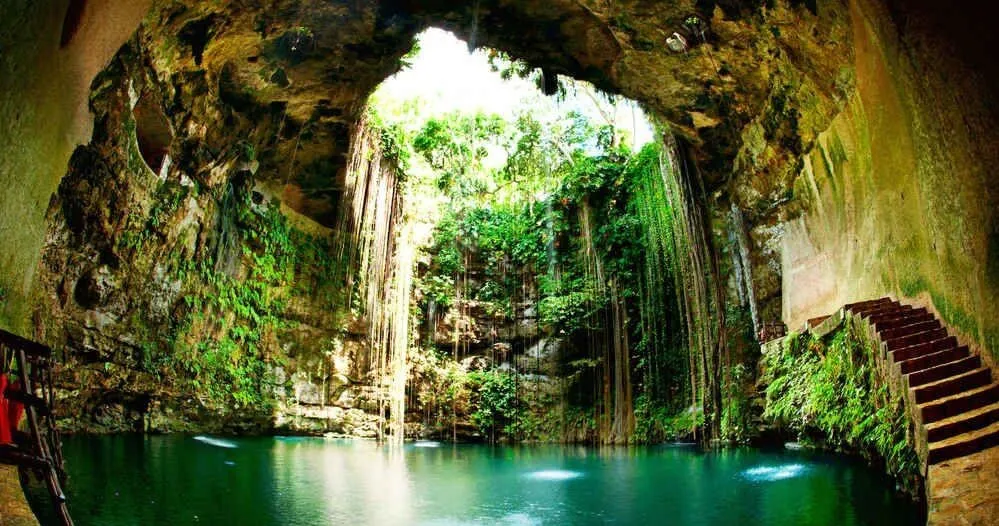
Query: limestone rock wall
{"x": 844, "y": 147}
{"x": 186, "y": 295}
{"x": 755, "y": 85}
{"x": 49, "y": 58}
{"x": 900, "y": 192}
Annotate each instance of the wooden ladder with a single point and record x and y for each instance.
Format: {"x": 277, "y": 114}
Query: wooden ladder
{"x": 40, "y": 449}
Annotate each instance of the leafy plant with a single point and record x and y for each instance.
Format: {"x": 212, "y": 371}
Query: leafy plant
{"x": 832, "y": 389}
{"x": 494, "y": 402}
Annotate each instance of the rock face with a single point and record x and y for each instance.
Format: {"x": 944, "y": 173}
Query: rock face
{"x": 49, "y": 60}
{"x": 187, "y": 296}
{"x": 899, "y": 192}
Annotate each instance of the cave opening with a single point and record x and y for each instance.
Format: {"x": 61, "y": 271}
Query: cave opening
{"x": 519, "y": 190}
{"x": 153, "y": 133}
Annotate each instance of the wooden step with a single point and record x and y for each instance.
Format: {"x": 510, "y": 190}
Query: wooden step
{"x": 953, "y": 385}
{"x": 962, "y": 423}
{"x": 898, "y": 319}
{"x": 15, "y": 456}
{"x": 932, "y": 360}
{"x": 965, "y": 444}
{"x": 940, "y": 372}
{"x": 815, "y": 322}
{"x": 893, "y": 308}
{"x": 861, "y": 304}
{"x": 922, "y": 349}
{"x": 32, "y": 350}
{"x": 911, "y": 328}
{"x": 913, "y": 339}
{"x": 959, "y": 403}
{"x": 888, "y": 308}
{"x": 865, "y": 309}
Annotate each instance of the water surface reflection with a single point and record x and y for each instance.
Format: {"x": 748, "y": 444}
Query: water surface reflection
{"x": 169, "y": 480}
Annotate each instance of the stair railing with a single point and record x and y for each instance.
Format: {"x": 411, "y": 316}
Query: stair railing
{"x": 38, "y": 450}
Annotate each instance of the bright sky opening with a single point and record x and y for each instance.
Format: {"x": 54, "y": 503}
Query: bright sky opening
{"x": 445, "y": 77}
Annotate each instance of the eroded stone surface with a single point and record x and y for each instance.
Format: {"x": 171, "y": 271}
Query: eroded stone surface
{"x": 965, "y": 490}
{"x": 14, "y": 509}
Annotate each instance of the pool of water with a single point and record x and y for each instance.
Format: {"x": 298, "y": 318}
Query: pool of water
{"x": 171, "y": 480}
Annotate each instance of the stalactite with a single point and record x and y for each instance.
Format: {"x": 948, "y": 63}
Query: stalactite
{"x": 624, "y": 415}
{"x": 667, "y": 379}
{"x": 743, "y": 266}
{"x": 401, "y": 294}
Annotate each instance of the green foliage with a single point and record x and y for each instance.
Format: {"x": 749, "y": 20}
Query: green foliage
{"x": 578, "y": 183}
{"x": 655, "y": 422}
{"x": 736, "y": 410}
{"x": 406, "y": 61}
{"x": 494, "y": 402}
{"x": 663, "y": 347}
{"x": 220, "y": 339}
{"x": 507, "y": 66}
{"x": 832, "y": 388}
{"x": 438, "y": 289}
{"x": 393, "y": 140}
{"x": 488, "y": 398}
{"x": 247, "y": 151}
{"x": 455, "y": 147}
{"x": 504, "y": 238}
{"x": 447, "y": 254}
{"x": 302, "y": 32}
{"x": 573, "y": 220}
{"x": 167, "y": 201}
{"x": 567, "y": 312}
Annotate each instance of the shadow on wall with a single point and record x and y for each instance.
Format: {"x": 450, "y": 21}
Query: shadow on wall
{"x": 71, "y": 22}
{"x": 900, "y": 190}
{"x": 52, "y": 51}
{"x": 153, "y": 132}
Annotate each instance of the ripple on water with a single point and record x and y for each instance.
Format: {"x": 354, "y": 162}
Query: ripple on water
{"x": 553, "y": 474}
{"x": 679, "y": 444}
{"x": 513, "y": 519}
{"x": 520, "y": 519}
{"x": 217, "y": 442}
{"x": 772, "y": 473}
{"x": 426, "y": 443}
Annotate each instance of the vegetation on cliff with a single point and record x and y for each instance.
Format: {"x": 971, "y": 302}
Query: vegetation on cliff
{"x": 563, "y": 241}
{"x": 829, "y": 393}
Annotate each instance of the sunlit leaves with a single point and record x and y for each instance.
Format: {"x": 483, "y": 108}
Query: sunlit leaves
{"x": 833, "y": 387}
{"x": 455, "y": 146}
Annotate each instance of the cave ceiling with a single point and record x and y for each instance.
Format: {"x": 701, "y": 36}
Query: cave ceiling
{"x": 753, "y": 86}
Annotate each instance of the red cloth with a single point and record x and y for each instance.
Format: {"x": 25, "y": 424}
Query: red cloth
{"x": 10, "y": 411}
{"x": 5, "y": 436}
{"x": 15, "y": 410}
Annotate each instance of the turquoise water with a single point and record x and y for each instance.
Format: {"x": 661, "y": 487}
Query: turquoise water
{"x": 171, "y": 480}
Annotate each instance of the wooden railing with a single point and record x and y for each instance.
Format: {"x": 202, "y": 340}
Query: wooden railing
{"x": 28, "y": 366}
{"x": 771, "y": 331}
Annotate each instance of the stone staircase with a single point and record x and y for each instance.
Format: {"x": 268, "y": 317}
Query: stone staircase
{"x": 952, "y": 396}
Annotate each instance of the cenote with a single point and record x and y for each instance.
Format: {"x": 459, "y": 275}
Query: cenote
{"x": 169, "y": 480}
{"x": 481, "y": 259}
